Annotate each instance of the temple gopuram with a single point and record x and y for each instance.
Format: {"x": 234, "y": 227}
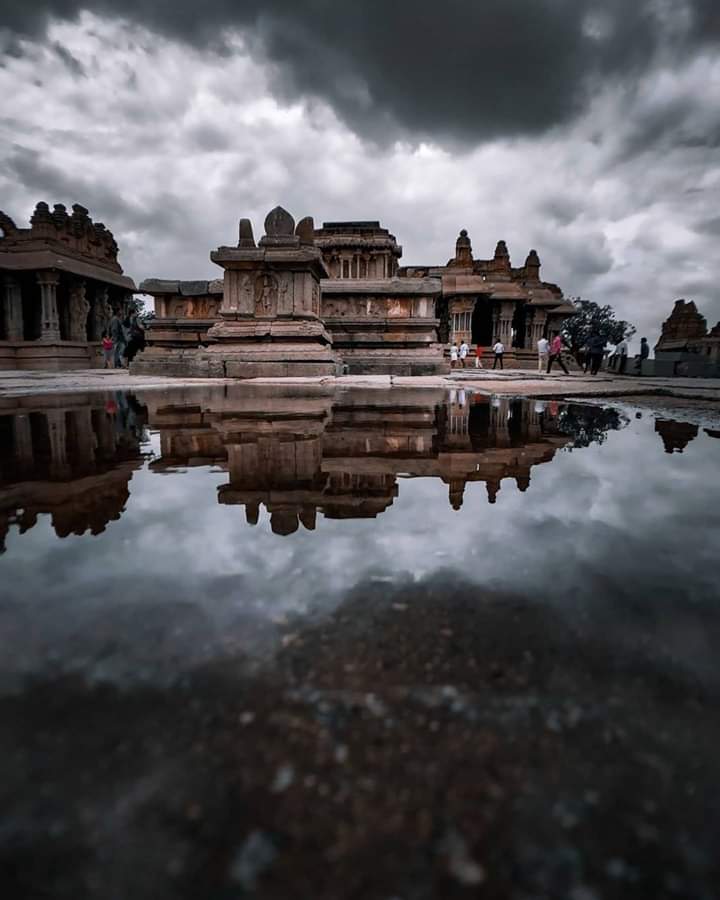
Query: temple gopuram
{"x": 61, "y": 282}
{"x": 372, "y": 315}
{"x": 686, "y": 347}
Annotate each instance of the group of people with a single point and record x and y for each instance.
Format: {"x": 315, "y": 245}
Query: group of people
{"x": 551, "y": 352}
{"x": 122, "y": 340}
{"x": 461, "y": 354}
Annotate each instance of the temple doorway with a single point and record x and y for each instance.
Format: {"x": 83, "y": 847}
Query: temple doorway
{"x": 519, "y": 326}
{"x": 442, "y": 314}
{"x": 482, "y": 322}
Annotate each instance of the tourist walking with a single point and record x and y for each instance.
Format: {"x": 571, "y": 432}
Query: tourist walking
{"x": 556, "y": 348}
{"x": 543, "y": 349}
{"x": 136, "y": 343}
{"x": 478, "y": 357}
{"x": 584, "y": 357}
{"x": 644, "y": 354}
{"x": 498, "y": 350}
{"x": 596, "y": 351}
{"x": 621, "y": 351}
{"x": 453, "y": 355}
{"x": 464, "y": 350}
{"x": 117, "y": 336}
{"x": 108, "y": 350}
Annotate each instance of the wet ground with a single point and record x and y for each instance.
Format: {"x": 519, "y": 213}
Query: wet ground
{"x": 358, "y": 644}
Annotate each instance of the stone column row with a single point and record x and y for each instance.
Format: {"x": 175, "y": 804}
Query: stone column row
{"x": 12, "y": 309}
{"x": 49, "y": 319}
{"x": 79, "y": 308}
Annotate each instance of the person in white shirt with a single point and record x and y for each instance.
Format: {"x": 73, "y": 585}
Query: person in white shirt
{"x": 543, "y": 348}
{"x": 498, "y": 350}
{"x": 463, "y": 353}
{"x": 453, "y": 355}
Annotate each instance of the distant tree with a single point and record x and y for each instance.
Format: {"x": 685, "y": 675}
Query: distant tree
{"x": 141, "y": 310}
{"x": 589, "y": 424}
{"x": 591, "y": 318}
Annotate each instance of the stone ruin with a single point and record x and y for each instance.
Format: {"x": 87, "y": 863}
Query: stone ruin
{"x": 683, "y": 327}
{"x": 685, "y": 346}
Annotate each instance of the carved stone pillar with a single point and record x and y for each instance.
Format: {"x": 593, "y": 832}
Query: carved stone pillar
{"x": 499, "y": 421}
{"x": 57, "y": 433}
{"x": 539, "y": 320}
{"x": 100, "y": 312}
{"x": 507, "y": 311}
{"x": 49, "y": 320}
{"x": 12, "y": 309}
{"x": 79, "y": 309}
{"x": 22, "y": 441}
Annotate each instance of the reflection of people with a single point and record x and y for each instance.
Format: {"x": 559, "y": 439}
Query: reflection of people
{"x": 463, "y": 353}
{"x": 644, "y": 354}
{"x": 498, "y": 350}
{"x": 543, "y": 349}
{"x": 556, "y": 348}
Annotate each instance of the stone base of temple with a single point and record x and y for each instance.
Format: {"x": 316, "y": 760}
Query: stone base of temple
{"x": 271, "y": 360}
{"x": 390, "y": 361}
{"x": 247, "y": 359}
{"x": 177, "y": 332}
{"x": 58, "y": 356}
{"x": 388, "y": 346}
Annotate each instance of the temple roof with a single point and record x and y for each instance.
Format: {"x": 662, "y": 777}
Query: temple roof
{"x": 23, "y": 261}
{"x": 158, "y": 286}
{"x": 385, "y": 286}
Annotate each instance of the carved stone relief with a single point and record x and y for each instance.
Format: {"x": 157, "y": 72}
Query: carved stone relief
{"x": 266, "y": 295}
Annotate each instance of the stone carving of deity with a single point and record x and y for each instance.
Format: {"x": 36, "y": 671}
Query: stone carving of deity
{"x": 79, "y": 309}
{"x": 101, "y": 313}
{"x": 266, "y": 294}
{"x": 316, "y": 298}
{"x": 285, "y": 304}
{"x": 247, "y": 296}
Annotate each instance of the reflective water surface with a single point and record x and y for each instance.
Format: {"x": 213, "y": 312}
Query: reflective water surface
{"x": 264, "y": 642}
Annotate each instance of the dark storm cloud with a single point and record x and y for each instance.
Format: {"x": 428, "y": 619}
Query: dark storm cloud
{"x": 459, "y": 70}
{"x": 43, "y": 180}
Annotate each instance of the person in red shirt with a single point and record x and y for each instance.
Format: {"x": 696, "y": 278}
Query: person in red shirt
{"x": 478, "y": 357}
{"x": 108, "y": 350}
{"x": 556, "y": 348}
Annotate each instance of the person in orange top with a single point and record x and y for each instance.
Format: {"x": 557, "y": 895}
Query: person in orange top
{"x": 478, "y": 357}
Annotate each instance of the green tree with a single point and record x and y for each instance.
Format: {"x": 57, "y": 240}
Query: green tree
{"x": 591, "y": 318}
{"x": 142, "y": 312}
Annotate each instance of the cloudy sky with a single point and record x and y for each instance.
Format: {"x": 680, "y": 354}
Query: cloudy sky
{"x": 589, "y": 130}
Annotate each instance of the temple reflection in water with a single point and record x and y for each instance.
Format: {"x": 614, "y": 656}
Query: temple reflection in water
{"x": 69, "y": 457}
{"x": 343, "y": 454}
{"x": 294, "y": 452}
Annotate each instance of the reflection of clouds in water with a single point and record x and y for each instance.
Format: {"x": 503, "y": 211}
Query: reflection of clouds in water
{"x": 181, "y": 578}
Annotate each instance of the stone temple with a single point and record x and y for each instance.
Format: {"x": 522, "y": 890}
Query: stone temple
{"x": 60, "y": 282}
{"x": 686, "y": 347}
{"x": 314, "y": 301}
